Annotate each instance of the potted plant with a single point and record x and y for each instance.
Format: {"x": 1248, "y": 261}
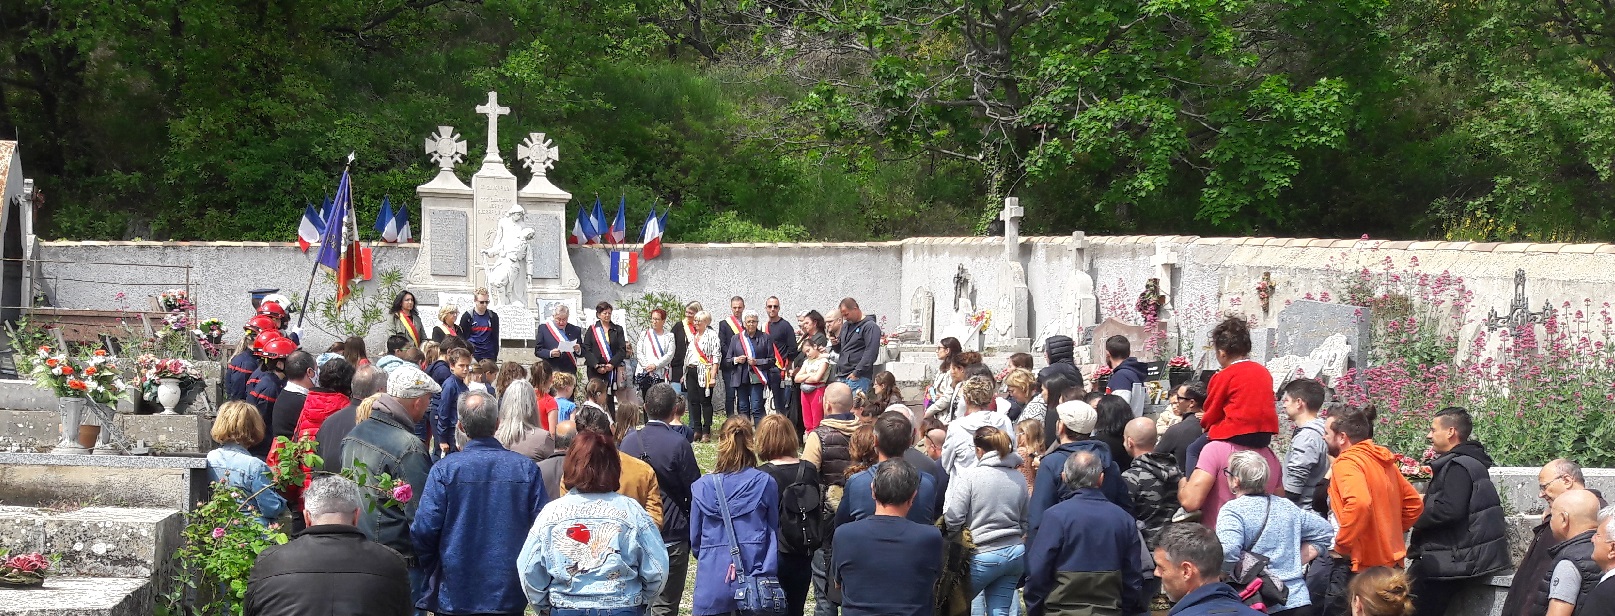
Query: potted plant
{"x": 77, "y": 382}
{"x": 1178, "y": 372}
{"x": 24, "y": 570}
{"x": 171, "y": 376}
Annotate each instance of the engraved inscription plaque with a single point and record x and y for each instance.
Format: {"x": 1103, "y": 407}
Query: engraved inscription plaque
{"x": 450, "y": 230}
{"x": 548, "y": 240}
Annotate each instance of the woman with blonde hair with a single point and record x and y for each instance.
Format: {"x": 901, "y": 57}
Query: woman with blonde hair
{"x": 776, "y": 446}
{"x": 237, "y": 427}
{"x": 445, "y": 326}
{"x": 990, "y": 499}
{"x": 701, "y": 362}
{"x": 1029, "y": 446}
{"x": 1022, "y": 390}
{"x": 735, "y": 497}
{"x": 518, "y": 427}
{"x": 959, "y": 450}
{"x": 1381, "y": 591}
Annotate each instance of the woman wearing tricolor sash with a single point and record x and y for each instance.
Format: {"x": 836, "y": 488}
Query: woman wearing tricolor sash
{"x": 655, "y": 353}
{"x": 701, "y": 374}
{"x": 752, "y": 355}
{"x": 406, "y": 319}
{"x": 605, "y": 350}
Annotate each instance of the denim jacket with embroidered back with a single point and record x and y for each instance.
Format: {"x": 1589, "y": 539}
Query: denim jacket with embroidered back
{"x": 232, "y": 464}
{"x": 593, "y": 551}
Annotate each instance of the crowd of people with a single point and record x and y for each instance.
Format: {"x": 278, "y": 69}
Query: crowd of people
{"x": 533, "y": 486}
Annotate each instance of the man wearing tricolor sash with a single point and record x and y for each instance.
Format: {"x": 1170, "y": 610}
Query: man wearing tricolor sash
{"x": 727, "y": 329}
{"x": 558, "y": 342}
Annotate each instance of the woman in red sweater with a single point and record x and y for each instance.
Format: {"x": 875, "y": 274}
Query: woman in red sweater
{"x": 1239, "y": 400}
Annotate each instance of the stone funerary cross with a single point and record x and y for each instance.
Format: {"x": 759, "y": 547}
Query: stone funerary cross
{"x": 538, "y": 153}
{"x": 493, "y": 111}
{"x": 1012, "y": 227}
{"x": 1164, "y": 260}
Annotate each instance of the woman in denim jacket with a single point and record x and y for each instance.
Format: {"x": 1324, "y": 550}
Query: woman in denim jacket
{"x": 237, "y": 427}
{"x": 593, "y": 552}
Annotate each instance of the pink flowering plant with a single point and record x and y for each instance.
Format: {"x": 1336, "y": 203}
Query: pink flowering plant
{"x": 1535, "y": 392}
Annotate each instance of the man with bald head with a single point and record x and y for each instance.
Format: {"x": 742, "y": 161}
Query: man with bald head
{"x": 1555, "y": 479}
{"x": 1152, "y": 482}
{"x": 1573, "y": 516}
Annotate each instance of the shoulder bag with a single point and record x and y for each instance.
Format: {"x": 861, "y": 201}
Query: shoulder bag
{"x": 1251, "y": 578}
{"x": 756, "y": 595}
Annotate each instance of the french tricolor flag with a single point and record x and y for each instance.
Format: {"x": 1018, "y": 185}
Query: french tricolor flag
{"x": 310, "y": 228}
{"x": 652, "y": 238}
{"x": 619, "y": 225}
{"x": 624, "y": 267}
{"x": 582, "y": 229}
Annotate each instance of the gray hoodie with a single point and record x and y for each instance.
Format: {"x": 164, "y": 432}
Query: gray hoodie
{"x": 989, "y": 499}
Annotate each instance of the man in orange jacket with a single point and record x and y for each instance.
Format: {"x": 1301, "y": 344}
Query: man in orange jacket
{"x": 1373, "y": 504}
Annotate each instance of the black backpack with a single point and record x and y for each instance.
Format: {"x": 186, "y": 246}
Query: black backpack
{"x": 801, "y": 514}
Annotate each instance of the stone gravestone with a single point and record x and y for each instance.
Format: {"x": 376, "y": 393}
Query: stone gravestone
{"x": 922, "y": 312}
{"x": 1136, "y": 335}
{"x": 1304, "y": 326}
{"x": 1012, "y": 314}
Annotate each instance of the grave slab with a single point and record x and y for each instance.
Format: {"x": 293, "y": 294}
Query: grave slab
{"x": 1136, "y": 335}
{"x": 81, "y": 596}
{"x": 170, "y": 482}
{"x": 170, "y": 433}
{"x": 97, "y": 541}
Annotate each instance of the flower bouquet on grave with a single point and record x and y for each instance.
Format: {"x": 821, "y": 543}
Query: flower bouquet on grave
{"x": 175, "y": 300}
{"x": 25, "y": 570}
{"x": 153, "y": 368}
{"x": 1101, "y": 378}
{"x": 1414, "y": 470}
{"x": 979, "y": 320}
{"x": 1178, "y": 371}
{"x": 1151, "y": 301}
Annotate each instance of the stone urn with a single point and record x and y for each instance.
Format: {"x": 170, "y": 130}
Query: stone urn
{"x": 168, "y": 395}
{"x": 71, "y": 410}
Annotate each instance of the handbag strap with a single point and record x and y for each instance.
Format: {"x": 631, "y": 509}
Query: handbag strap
{"x": 1266, "y": 514}
{"x": 729, "y": 527}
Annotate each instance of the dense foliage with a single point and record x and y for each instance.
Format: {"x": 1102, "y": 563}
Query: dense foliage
{"x": 843, "y": 119}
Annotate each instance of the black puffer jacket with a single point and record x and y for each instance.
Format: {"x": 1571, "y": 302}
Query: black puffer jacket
{"x": 1579, "y": 551}
{"x": 1060, "y": 351}
{"x": 1461, "y": 534}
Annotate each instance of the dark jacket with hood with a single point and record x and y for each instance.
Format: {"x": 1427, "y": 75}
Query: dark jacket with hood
{"x": 331, "y": 569}
{"x": 1048, "y": 490}
{"x": 1461, "y": 533}
{"x": 1536, "y": 566}
{"x": 1061, "y": 353}
{"x": 1125, "y": 375}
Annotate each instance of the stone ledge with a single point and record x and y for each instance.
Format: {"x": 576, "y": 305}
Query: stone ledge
{"x": 175, "y": 433}
{"x": 79, "y": 596}
{"x": 97, "y": 541}
{"x": 35, "y": 479}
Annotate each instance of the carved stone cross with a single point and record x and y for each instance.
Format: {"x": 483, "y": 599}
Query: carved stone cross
{"x": 1012, "y": 227}
{"x": 537, "y": 153}
{"x": 445, "y": 148}
{"x": 493, "y": 111}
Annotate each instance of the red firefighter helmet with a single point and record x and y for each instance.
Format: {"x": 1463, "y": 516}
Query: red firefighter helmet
{"x": 273, "y": 308}
{"x": 262, "y": 323}
{"x": 278, "y": 347}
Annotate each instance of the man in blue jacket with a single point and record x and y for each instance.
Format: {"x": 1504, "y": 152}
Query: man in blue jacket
{"x": 555, "y": 333}
{"x": 447, "y": 413}
{"x": 858, "y": 501}
{"x": 474, "y": 515}
{"x": 1189, "y": 563}
{"x": 673, "y": 459}
{"x": 1086, "y": 559}
{"x": 1125, "y": 371}
{"x": 1077, "y": 421}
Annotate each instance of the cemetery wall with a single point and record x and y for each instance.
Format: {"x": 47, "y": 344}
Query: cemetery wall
{"x": 1211, "y": 273}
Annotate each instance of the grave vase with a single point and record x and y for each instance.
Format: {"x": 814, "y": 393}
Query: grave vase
{"x": 168, "y": 395}
{"x": 71, "y": 410}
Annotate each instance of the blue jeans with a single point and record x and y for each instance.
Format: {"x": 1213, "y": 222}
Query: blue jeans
{"x": 993, "y": 575}
{"x": 749, "y": 399}
{"x": 858, "y": 384}
{"x": 621, "y": 611}
{"x": 418, "y": 582}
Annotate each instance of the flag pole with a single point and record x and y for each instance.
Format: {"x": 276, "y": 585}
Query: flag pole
{"x": 316, "y": 269}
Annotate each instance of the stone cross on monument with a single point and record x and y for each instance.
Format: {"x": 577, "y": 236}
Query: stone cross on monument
{"x": 538, "y": 154}
{"x": 1012, "y": 227}
{"x": 493, "y": 111}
